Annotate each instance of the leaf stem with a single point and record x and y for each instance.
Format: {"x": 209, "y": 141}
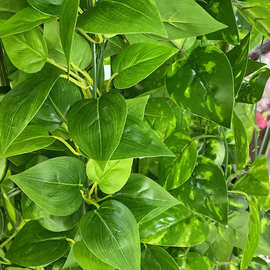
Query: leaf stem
{"x": 67, "y": 145}
{"x": 89, "y": 201}
{"x": 108, "y": 86}
{"x": 83, "y": 72}
{"x": 104, "y": 198}
{"x": 70, "y": 240}
{"x": 87, "y": 37}
{"x": 226, "y": 153}
{"x": 94, "y": 186}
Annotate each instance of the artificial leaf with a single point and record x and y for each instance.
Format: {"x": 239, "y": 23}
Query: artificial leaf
{"x": 144, "y": 197}
{"x": 136, "y": 106}
{"x": 86, "y": 259}
{"x": 114, "y": 236}
{"x": 175, "y": 227}
{"x": 54, "y": 185}
{"x": 111, "y": 178}
{"x": 186, "y": 18}
{"x": 27, "y": 51}
{"x": 68, "y": 20}
{"x": 238, "y": 58}
{"x": 22, "y": 103}
{"x": 139, "y": 140}
{"x": 241, "y": 142}
{"x": 24, "y": 20}
{"x": 204, "y": 85}
{"x": 52, "y": 7}
{"x": 138, "y": 61}
{"x": 97, "y": 125}
{"x": 251, "y": 92}
{"x": 206, "y": 191}
{"x": 122, "y": 17}
{"x": 157, "y": 258}
{"x": 223, "y": 12}
{"x": 35, "y": 246}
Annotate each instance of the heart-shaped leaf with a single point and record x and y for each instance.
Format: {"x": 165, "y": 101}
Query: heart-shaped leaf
{"x": 114, "y": 236}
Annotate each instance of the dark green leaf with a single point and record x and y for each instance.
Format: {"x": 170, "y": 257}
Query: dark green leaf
{"x": 238, "y": 58}
{"x": 97, "y": 125}
{"x": 136, "y": 106}
{"x": 12, "y": 6}
{"x": 139, "y": 140}
{"x": 206, "y": 191}
{"x": 52, "y": 7}
{"x": 114, "y": 236}
{"x": 215, "y": 150}
{"x": 24, "y": 20}
{"x": 68, "y": 20}
{"x": 204, "y": 85}
{"x": 35, "y": 246}
{"x": 174, "y": 227}
{"x": 251, "y": 92}
{"x": 86, "y": 259}
{"x": 186, "y": 18}
{"x": 22, "y": 103}
{"x": 144, "y": 197}
{"x": 253, "y": 66}
{"x": 54, "y": 185}
{"x": 138, "y": 61}
{"x": 123, "y": 17}
{"x": 157, "y": 258}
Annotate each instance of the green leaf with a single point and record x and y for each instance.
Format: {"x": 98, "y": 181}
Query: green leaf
{"x": 114, "y": 236}
{"x": 86, "y": 259}
{"x": 195, "y": 260}
{"x": 24, "y": 20}
{"x": 181, "y": 168}
{"x": 3, "y": 166}
{"x": 253, "y": 66}
{"x": 22, "y": 103}
{"x": 204, "y": 85}
{"x": 12, "y": 6}
{"x": 263, "y": 247}
{"x": 176, "y": 227}
{"x": 215, "y": 150}
{"x": 123, "y": 17}
{"x": 157, "y": 258}
{"x": 139, "y": 140}
{"x": 68, "y": 20}
{"x": 54, "y": 185}
{"x": 136, "y": 106}
{"x": 111, "y": 178}
{"x": 223, "y": 12}
{"x": 138, "y": 61}
{"x": 96, "y": 126}
{"x": 251, "y": 92}
{"x": 257, "y": 13}
{"x": 255, "y": 182}
{"x": 186, "y": 18}
{"x": 31, "y": 139}
{"x": 206, "y": 191}
{"x": 52, "y": 7}
{"x": 238, "y": 58}
{"x": 27, "y": 51}
{"x": 144, "y": 197}
{"x": 241, "y": 142}
{"x": 35, "y": 246}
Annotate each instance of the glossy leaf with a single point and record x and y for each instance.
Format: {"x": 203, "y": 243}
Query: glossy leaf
{"x": 27, "y": 51}
{"x": 3, "y": 166}
{"x": 31, "y": 139}
{"x": 251, "y": 92}
{"x": 23, "y": 103}
{"x": 175, "y": 227}
{"x": 215, "y": 150}
{"x": 241, "y": 142}
{"x": 68, "y": 20}
{"x": 186, "y": 18}
{"x": 123, "y": 17}
{"x": 35, "y": 246}
{"x": 253, "y": 66}
{"x": 206, "y": 191}
{"x": 136, "y": 106}
{"x": 204, "y": 85}
{"x": 52, "y": 7}
{"x": 238, "y": 58}
{"x": 180, "y": 169}
{"x": 194, "y": 261}
{"x": 138, "y": 61}
{"x": 111, "y": 178}
{"x": 157, "y": 258}
{"x": 144, "y": 197}
{"x": 86, "y": 259}
{"x": 114, "y": 236}
{"x": 139, "y": 140}
{"x": 54, "y": 185}
{"x": 24, "y": 20}
{"x": 97, "y": 125}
